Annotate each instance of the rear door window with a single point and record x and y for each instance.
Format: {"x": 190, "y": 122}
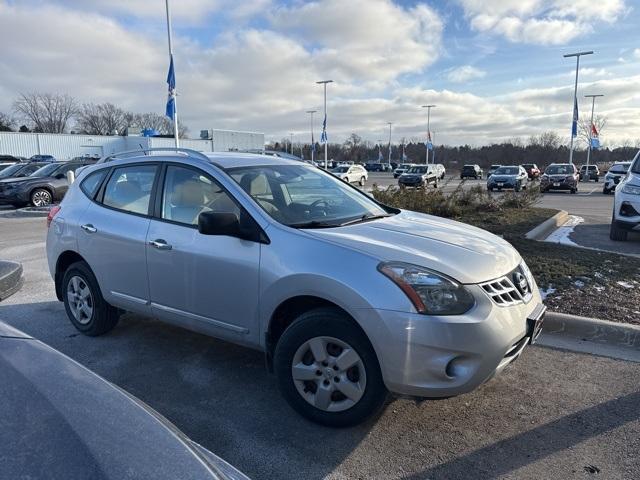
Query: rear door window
{"x": 129, "y": 188}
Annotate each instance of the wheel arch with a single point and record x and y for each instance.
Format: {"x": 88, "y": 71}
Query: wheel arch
{"x": 65, "y": 259}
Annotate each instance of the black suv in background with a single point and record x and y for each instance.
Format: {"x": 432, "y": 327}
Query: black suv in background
{"x": 46, "y": 185}
{"x": 594, "y": 173}
{"x": 471, "y": 171}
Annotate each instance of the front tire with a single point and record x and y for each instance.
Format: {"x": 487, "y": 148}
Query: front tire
{"x": 574, "y": 191}
{"x": 616, "y": 233}
{"x": 362, "y": 181}
{"x": 41, "y": 197}
{"x": 86, "y": 308}
{"x": 327, "y": 370}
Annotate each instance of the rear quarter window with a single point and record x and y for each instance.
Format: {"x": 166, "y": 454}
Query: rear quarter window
{"x": 91, "y": 184}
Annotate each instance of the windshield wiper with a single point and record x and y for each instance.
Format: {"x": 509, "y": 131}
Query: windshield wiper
{"x": 366, "y": 218}
{"x": 313, "y": 224}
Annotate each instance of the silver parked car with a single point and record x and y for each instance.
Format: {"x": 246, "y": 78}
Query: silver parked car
{"x": 348, "y": 298}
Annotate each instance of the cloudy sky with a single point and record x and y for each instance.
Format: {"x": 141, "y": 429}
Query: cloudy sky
{"x": 494, "y": 68}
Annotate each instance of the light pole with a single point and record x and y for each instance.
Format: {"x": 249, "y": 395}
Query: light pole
{"x": 574, "y": 127}
{"x": 389, "y": 162}
{"x": 593, "y": 105}
{"x": 313, "y": 143}
{"x": 291, "y": 142}
{"x": 324, "y": 124}
{"x": 380, "y": 150}
{"x": 428, "y": 107}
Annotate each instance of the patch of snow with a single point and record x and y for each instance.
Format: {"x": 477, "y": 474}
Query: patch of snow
{"x": 625, "y": 284}
{"x": 561, "y": 234}
{"x": 599, "y": 288}
{"x": 579, "y": 283}
{"x": 598, "y": 275}
{"x": 545, "y": 292}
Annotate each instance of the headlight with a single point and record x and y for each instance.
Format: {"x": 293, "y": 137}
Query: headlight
{"x": 431, "y": 293}
{"x": 631, "y": 189}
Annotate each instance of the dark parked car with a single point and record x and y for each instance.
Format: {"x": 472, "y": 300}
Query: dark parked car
{"x": 419, "y": 176}
{"x": 46, "y": 185}
{"x": 11, "y": 159}
{"x": 471, "y": 171}
{"x": 492, "y": 170}
{"x": 19, "y": 170}
{"x": 62, "y": 421}
{"x": 42, "y": 158}
{"x": 377, "y": 167}
{"x": 513, "y": 176}
{"x": 560, "y": 176}
{"x": 532, "y": 170}
{"x": 594, "y": 173}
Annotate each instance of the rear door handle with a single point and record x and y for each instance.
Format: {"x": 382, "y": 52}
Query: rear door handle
{"x": 160, "y": 244}
{"x": 87, "y": 227}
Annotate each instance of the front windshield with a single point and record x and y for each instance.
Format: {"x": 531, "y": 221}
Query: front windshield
{"x": 506, "y": 171}
{"x": 45, "y": 171}
{"x": 301, "y": 196}
{"x": 9, "y": 171}
{"x": 559, "y": 170}
{"x": 419, "y": 170}
{"x": 620, "y": 168}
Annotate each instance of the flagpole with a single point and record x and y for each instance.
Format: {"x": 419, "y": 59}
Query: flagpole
{"x": 389, "y": 142}
{"x": 175, "y": 103}
{"x": 324, "y": 83}
{"x": 428, "y": 107}
{"x": 575, "y": 98}
{"x": 313, "y": 145}
{"x": 593, "y": 106}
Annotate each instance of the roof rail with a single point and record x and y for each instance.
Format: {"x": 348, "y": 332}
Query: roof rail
{"x": 188, "y": 152}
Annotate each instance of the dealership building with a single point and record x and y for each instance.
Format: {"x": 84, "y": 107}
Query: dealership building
{"x": 68, "y": 146}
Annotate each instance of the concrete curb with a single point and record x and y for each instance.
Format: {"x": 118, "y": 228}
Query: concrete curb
{"x": 543, "y": 230}
{"x": 27, "y": 212}
{"x": 593, "y": 330}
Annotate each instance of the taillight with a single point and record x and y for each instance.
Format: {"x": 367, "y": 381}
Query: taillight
{"x": 53, "y": 211}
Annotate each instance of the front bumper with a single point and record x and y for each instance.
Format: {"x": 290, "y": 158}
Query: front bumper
{"x": 13, "y": 196}
{"x": 450, "y": 355}
{"x": 505, "y": 184}
{"x": 563, "y": 185}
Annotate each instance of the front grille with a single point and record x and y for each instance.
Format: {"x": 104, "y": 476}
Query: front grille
{"x": 512, "y": 289}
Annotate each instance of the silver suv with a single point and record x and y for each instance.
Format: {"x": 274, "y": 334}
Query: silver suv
{"x": 348, "y": 298}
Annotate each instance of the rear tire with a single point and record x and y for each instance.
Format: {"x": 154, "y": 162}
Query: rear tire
{"x": 86, "y": 308}
{"x": 320, "y": 396}
{"x": 518, "y": 187}
{"x": 574, "y": 190}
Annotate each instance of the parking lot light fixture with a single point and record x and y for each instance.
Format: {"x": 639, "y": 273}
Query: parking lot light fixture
{"x": 324, "y": 128}
{"x": 575, "y": 96}
{"x": 591, "y": 127}
{"x": 428, "y": 107}
{"x": 390, "y": 124}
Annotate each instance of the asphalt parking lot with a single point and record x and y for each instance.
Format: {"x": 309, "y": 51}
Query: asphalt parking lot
{"x": 552, "y": 414}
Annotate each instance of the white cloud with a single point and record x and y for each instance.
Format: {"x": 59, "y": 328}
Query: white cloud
{"x": 636, "y": 53}
{"x": 543, "y": 22}
{"x": 465, "y": 73}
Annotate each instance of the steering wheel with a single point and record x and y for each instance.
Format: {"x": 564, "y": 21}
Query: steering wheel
{"x": 316, "y": 205}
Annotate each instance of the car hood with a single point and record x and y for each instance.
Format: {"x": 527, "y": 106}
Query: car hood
{"x": 60, "y": 420}
{"x": 558, "y": 176}
{"x": 465, "y": 253}
{"x": 502, "y": 178}
{"x": 411, "y": 176}
{"x": 13, "y": 180}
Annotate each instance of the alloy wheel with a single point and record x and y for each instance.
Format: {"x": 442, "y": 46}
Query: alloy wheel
{"x": 41, "y": 198}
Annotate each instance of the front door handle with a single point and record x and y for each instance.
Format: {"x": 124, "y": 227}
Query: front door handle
{"x": 87, "y": 227}
{"x": 160, "y": 244}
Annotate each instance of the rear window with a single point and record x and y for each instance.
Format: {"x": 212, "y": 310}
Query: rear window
{"x": 621, "y": 168}
{"x": 129, "y": 188}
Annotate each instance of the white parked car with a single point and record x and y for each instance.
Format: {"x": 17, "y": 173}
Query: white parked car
{"x": 440, "y": 170}
{"x": 352, "y": 174}
{"x": 626, "y": 204}
{"x": 614, "y": 175}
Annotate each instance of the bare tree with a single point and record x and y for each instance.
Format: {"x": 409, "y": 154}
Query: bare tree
{"x": 155, "y": 121}
{"x": 550, "y": 140}
{"x": 101, "y": 119}
{"x": 584, "y": 127}
{"x": 47, "y": 112}
{"x": 7, "y": 122}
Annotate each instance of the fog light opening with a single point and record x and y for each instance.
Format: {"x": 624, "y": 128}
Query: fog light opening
{"x": 453, "y": 368}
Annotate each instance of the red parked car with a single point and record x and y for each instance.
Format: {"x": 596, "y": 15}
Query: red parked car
{"x": 532, "y": 170}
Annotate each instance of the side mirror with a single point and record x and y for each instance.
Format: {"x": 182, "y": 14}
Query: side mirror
{"x": 228, "y": 224}
{"x": 60, "y": 176}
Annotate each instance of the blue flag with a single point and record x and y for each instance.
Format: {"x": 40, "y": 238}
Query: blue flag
{"x": 171, "y": 97}
{"x": 323, "y": 137}
{"x": 595, "y": 142}
{"x": 574, "y": 125}
{"x": 429, "y": 145}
